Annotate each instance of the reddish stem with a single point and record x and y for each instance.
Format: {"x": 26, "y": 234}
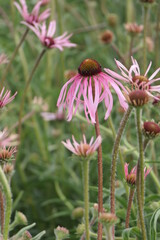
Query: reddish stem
{"x": 131, "y": 195}
{"x": 100, "y": 178}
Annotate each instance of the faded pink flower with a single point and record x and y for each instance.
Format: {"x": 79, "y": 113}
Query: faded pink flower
{"x": 34, "y": 16}
{"x": 133, "y": 77}
{"x": 3, "y": 59}
{"x": 46, "y": 36}
{"x": 133, "y": 28}
{"x": 90, "y": 87}
{"x": 49, "y": 116}
{"x": 5, "y": 98}
{"x": 83, "y": 148}
{"x": 131, "y": 177}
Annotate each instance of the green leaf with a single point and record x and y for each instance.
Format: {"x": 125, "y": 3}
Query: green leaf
{"x": 135, "y": 231}
{"x": 153, "y": 224}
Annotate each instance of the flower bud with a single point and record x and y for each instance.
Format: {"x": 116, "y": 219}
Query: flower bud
{"x": 61, "y": 233}
{"x": 108, "y": 219}
{"x": 8, "y": 169}
{"x": 137, "y": 98}
{"x": 80, "y": 229}
{"x": 112, "y": 19}
{"x": 107, "y": 37}
{"x": 26, "y": 236}
{"x": 20, "y": 219}
{"x": 151, "y": 129}
{"x": 78, "y": 212}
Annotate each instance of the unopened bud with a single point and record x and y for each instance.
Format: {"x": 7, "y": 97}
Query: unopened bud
{"x": 61, "y": 233}
{"x": 20, "y": 218}
{"x": 80, "y": 229}
{"x": 108, "y": 219}
{"x": 107, "y": 37}
{"x": 78, "y": 212}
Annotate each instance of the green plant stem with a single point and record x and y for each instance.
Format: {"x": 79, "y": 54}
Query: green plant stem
{"x": 144, "y": 38}
{"x": 8, "y": 203}
{"x": 157, "y": 38}
{"x": 129, "y": 11}
{"x": 86, "y": 196}
{"x": 131, "y": 195}
{"x": 100, "y": 178}
{"x": 114, "y": 159}
{"x": 140, "y": 174}
{"x": 26, "y": 88}
{"x": 94, "y": 235}
{"x": 2, "y": 211}
{"x": 109, "y": 233}
{"x": 12, "y": 58}
{"x": 111, "y": 126}
{"x": 131, "y": 49}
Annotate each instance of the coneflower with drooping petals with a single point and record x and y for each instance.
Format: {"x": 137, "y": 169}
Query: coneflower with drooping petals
{"x": 136, "y": 80}
{"x": 131, "y": 177}
{"x": 90, "y": 87}
{"x": 5, "y": 98}
{"x": 34, "y": 16}
{"x": 83, "y": 149}
{"x": 46, "y": 36}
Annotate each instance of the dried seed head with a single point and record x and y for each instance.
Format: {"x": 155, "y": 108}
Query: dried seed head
{"x": 112, "y": 20}
{"x": 89, "y": 67}
{"x": 151, "y": 129}
{"x": 107, "y": 37}
{"x": 78, "y": 212}
{"x": 137, "y": 98}
{"x": 108, "y": 219}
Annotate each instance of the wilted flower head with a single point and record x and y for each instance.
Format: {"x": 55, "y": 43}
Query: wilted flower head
{"x": 83, "y": 149}
{"x": 5, "y": 98}
{"x": 46, "y": 36}
{"x": 34, "y": 16}
{"x": 133, "y": 28}
{"x": 61, "y": 233}
{"x": 131, "y": 177}
{"x": 90, "y": 87}
{"x": 3, "y": 58}
{"x": 151, "y": 129}
{"x": 135, "y": 79}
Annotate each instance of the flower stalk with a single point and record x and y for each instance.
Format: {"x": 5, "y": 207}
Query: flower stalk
{"x": 114, "y": 159}
{"x": 2, "y": 210}
{"x": 13, "y": 56}
{"x": 8, "y": 203}
{"x": 85, "y": 164}
{"x": 140, "y": 174}
{"x": 144, "y": 38}
{"x": 130, "y": 200}
{"x": 100, "y": 178}
{"x": 26, "y": 88}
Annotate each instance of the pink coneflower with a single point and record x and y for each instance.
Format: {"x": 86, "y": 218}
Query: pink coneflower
{"x": 134, "y": 77}
{"x": 89, "y": 87}
{"x": 131, "y": 177}
{"x": 3, "y": 59}
{"x": 46, "y": 36}
{"x": 83, "y": 148}
{"x": 5, "y": 98}
{"x": 34, "y": 16}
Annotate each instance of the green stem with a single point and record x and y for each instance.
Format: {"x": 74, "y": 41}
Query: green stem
{"x": 140, "y": 174}
{"x": 157, "y": 38}
{"x": 100, "y": 178}
{"x": 131, "y": 195}
{"x": 26, "y": 88}
{"x": 109, "y": 233}
{"x": 86, "y": 196}
{"x": 2, "y": 210}
{"x": 144, "y": 38}
{"x": 129, "y": 11}
{"x": 114, "y": 159}
{"x": 12, "y": 58}
{"x": 8, "y": 203}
